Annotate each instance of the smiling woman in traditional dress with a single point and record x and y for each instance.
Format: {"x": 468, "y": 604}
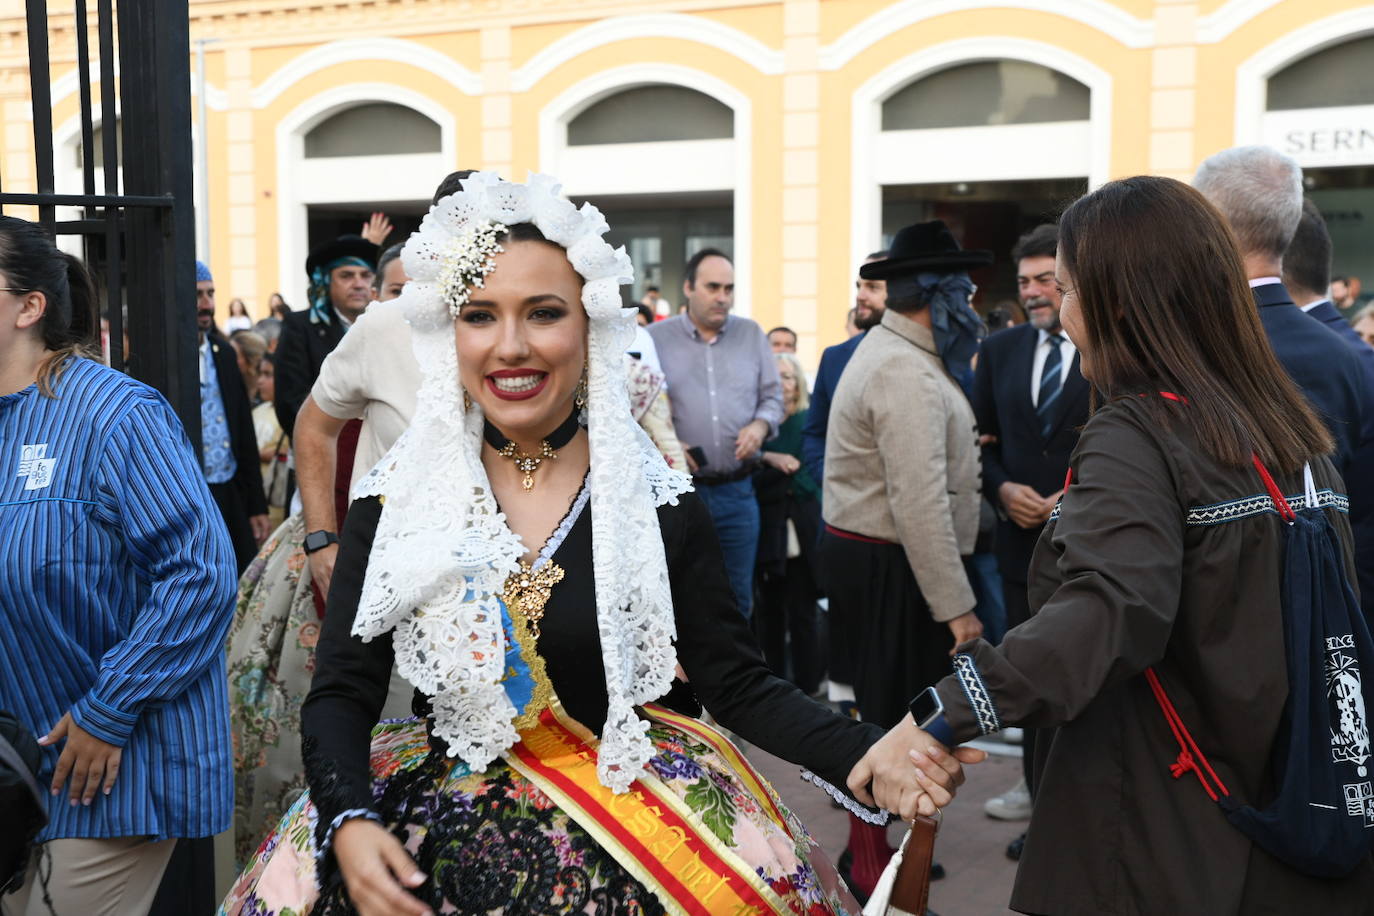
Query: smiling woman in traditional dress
{"x": 527, "y": 560}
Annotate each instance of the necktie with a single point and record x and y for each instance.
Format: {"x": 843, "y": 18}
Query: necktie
{"x": 1049, "y": 385}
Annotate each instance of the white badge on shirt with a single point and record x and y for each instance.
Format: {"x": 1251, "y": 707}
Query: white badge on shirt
{"x": 35, "y": 466}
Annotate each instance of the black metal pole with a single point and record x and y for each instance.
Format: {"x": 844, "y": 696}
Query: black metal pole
{"x": 40, "y": 87}
{"x": 155, "y": 92}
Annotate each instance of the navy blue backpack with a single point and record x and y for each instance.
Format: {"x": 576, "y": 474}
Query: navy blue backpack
{"x": 1321, "y": 819}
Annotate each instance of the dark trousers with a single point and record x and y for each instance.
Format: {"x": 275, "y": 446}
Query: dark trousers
{"x": 235, "y": 515}
{"x": 188, "y": 884}
{"x": 787, "y": 622}
{"x": 735, "y": 512}
{"x": 1018, "y": 612}
{"x": 897, "y": 648}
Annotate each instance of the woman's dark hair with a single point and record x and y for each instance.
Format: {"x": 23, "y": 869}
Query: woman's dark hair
{"x": 1166, "y": 307}
{"x": 526, "y": 232}
{"x": 31, "y": 262}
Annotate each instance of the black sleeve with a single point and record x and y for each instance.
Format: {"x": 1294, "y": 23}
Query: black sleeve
{"x": 350, "y": 684}
{"x": 293, "y": 373}
{"x": 726, "y": 669}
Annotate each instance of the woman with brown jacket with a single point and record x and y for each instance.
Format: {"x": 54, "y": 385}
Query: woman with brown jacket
{"x": 1164, "y": 552}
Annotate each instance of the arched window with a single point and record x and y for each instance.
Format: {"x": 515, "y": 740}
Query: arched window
{"x": 647, "y": 114}
{"x": 987, "y": 93}
{"x": 373, "y": 129}
{"x": 1333, "y": 77}
{"x": 98, "y": 146}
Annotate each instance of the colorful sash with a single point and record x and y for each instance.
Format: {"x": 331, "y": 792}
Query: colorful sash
{"x": 649, "y": 830}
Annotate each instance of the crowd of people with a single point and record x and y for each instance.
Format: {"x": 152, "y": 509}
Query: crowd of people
{"x": 505, "y": 549}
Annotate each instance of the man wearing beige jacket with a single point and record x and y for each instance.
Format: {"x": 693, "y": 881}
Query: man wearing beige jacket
{"x": 901, "y": 491}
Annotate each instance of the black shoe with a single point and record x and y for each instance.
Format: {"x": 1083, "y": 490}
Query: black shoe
{"x": 937, "y": 871}
{"x": 1014, "y": 848}
{"x": 842, "y": 866}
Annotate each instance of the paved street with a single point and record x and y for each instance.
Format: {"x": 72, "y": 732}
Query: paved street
{"x": 971, "y": 844}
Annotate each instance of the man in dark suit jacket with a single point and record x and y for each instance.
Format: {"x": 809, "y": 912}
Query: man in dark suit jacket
{"x": 229, "y": 448}
{"x": 1259, "y": 192}
{"x": 341, "y": 274}
{"x": 1030, "y": 400}
{"x": 1307, "y": 274}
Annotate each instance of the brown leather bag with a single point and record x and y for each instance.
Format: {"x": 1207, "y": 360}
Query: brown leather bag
{"x": 911, "y": 887}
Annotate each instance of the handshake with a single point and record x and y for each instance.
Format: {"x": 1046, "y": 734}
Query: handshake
{"x": 908, "y": 772}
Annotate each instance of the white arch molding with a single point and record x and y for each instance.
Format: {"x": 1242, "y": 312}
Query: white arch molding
{"x": 434, "y": 63}
{"x": 1105, "y": 17}
{"x": 866, "y": 115}
{"x": 363, "y": 178}
{"x": 553, "y": 143}
{"x": 650, "y": 25}
{"x": 1252, "y": 76}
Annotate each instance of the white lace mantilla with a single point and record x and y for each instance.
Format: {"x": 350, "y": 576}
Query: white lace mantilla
{"x": 442, "y": 550}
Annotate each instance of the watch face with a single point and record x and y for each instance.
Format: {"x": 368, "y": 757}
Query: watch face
{"x": 925, "y": 706}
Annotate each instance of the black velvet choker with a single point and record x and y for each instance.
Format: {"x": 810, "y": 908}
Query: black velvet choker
{"x": 548, "y": 448}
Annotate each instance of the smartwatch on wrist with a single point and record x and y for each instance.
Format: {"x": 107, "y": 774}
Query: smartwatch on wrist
{"x": 319, "y": 540}
{"x": 926, "y": 708}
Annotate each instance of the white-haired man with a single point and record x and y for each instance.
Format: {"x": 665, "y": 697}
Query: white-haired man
{"x": 1259, "y": 192}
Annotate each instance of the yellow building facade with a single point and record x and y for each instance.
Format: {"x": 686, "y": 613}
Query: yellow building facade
{"x": 797, "y": 134}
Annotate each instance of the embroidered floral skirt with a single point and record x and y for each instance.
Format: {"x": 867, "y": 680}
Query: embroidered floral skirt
{"x": 702, "y": 833}
{"x": 271, "y": 661}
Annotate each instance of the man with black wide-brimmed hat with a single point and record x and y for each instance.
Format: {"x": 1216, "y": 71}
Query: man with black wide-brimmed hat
{"x": 902, "y": 490}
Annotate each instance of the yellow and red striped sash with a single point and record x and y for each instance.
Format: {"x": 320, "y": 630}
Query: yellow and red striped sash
{"x": 649, "y": 830}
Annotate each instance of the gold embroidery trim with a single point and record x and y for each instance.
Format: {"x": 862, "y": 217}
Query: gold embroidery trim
{"x": 525, "y": 594}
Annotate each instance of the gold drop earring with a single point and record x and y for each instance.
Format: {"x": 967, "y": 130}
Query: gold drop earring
{"x": 580, "y": 393}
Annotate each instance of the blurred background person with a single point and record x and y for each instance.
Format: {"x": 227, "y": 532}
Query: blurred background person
{"x": 250, "y": 348}
{"x": 782, "y": 340}
{"x": 273, "y": 445}
{"x": 1363, "y": 323}
{"x": 787, "y": 618}
{"x": 269, "y": 329}
{"x": 239, "y": 319}
{"x": 1345, "y": 293}
{"x": 277, "y": 307}
{"x": 644, "y": 316}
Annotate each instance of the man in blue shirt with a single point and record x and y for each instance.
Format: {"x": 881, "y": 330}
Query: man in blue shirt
{"x": 727, "y": 400}
{"x": 229, "y": 446}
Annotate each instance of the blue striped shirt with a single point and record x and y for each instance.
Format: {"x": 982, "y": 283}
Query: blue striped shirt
{"x": 116, "y": 591}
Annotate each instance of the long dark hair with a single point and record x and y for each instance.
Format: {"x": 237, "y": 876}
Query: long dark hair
{"x": 31, "y": 262}
{"x": 1166, "y": 307}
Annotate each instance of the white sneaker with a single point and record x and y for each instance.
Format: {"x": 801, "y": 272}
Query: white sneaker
{"x": 1012, "y": 735}
{"x": 1012, "y": 805}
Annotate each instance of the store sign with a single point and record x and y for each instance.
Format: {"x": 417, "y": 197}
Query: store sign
{"x": 1323, "y": 136}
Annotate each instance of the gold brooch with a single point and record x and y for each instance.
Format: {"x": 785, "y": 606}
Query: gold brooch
{"x": 527, "y": 591}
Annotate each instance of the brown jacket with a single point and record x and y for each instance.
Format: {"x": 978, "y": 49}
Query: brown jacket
{"x": 1158, "y": 556}
{"x": 902, "y": 461}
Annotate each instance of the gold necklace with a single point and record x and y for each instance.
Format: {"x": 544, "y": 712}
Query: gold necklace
{"x": 528, "y": 464}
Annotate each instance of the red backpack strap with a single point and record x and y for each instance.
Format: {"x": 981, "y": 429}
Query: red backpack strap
{"x": 1190, "y": 756}
{"x": 1285, "y": 511}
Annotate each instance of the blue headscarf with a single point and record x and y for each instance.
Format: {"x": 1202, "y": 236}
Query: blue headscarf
{"x": 957, "y": 328}
{"x": 321, "y": 308}
{"x": 203, "y": 273}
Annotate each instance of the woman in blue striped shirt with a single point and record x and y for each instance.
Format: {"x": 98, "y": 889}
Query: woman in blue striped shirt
{"x": 116, "y": 589}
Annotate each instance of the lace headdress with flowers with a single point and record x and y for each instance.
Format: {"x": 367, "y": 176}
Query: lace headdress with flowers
{"x": 443, "y": 551}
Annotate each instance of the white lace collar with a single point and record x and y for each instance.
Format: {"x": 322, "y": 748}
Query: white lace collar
{"x": 442, "y": 550}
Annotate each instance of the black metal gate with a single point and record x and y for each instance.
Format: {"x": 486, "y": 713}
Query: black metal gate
{"x": 138, "y": 239}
